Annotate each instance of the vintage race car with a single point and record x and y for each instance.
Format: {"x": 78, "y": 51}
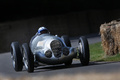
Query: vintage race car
{"x": 48, "y": 49}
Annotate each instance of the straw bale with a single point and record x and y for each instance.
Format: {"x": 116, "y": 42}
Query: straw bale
{"x": 110, "y": 36}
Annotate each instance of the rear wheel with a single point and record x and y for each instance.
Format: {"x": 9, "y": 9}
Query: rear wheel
{"x": 83, "y": 48}
{"x": 65, "y": 38}
{"x": 16, "y": 56}
{"x": 28, "y": 58}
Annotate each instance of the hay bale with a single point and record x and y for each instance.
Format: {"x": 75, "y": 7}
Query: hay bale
{"x": 110, "y": 36}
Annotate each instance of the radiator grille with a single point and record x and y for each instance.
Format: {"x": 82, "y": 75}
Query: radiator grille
{"x": 56, "y": 47}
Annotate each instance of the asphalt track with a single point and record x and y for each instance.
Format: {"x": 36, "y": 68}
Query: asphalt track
{"x": 6, "y": 68}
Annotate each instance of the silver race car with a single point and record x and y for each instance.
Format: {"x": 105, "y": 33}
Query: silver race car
{"x": 48, "y": 49}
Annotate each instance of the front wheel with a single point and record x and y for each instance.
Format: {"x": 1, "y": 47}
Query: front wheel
{"x": 28, "y": 58}
{"x": 83, "y": 49}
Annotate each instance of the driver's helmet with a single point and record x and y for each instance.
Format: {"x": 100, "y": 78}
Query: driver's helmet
{"x": 43, "y": 30}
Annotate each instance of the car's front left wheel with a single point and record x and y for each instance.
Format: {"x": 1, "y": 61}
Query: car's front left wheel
{"x": 83, "y": 48}
{"x": 28, "y": 58}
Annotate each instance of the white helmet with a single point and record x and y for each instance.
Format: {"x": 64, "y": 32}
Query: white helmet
{"x": 42, "y": 30}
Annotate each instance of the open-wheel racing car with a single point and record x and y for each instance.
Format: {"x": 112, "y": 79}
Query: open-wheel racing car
{"x": 48, "y": 49}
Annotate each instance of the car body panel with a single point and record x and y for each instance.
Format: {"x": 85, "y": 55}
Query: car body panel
{"x": 39, "y": 44}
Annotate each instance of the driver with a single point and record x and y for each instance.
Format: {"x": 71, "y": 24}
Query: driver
{"x": 42, "y": 30}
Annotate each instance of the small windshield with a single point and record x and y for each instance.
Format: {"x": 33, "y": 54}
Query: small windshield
{"x": 44, "y": 31}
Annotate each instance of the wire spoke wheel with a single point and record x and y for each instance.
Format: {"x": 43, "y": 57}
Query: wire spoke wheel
{"x": 13, "y": 60}
{"x": 80, "y": 47}
{"x": 28, "y": 58}
{"x": 25, "y": 60}
{"x": 16, "y": 56}
{"x": 84, "y": 54}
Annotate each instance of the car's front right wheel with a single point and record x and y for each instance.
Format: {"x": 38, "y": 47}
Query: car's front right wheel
{"x": 28, "y": 58}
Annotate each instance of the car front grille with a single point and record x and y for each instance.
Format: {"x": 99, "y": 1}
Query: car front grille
{"x": 56, "y": 47}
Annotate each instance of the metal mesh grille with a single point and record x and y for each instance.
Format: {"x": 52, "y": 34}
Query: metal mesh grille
{"x": 56, "y": 47}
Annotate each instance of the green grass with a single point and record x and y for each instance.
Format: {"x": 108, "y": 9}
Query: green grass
{"x": 97, "y": 54}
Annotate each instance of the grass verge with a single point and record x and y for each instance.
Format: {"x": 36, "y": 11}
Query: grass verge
{"x": 97, "y": 54}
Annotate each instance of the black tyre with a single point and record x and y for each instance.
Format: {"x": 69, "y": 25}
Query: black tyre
{"x": 28, "y": 58}
{"x": 84, "y": 54}
{"x": 66, "y": 39}
{"x": 68, "y": 63}
{"x": 16, "y": 56}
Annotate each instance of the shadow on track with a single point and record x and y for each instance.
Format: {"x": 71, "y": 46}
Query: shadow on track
{"x": 55, "y": 67}
{"x": 62, "y": 66}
